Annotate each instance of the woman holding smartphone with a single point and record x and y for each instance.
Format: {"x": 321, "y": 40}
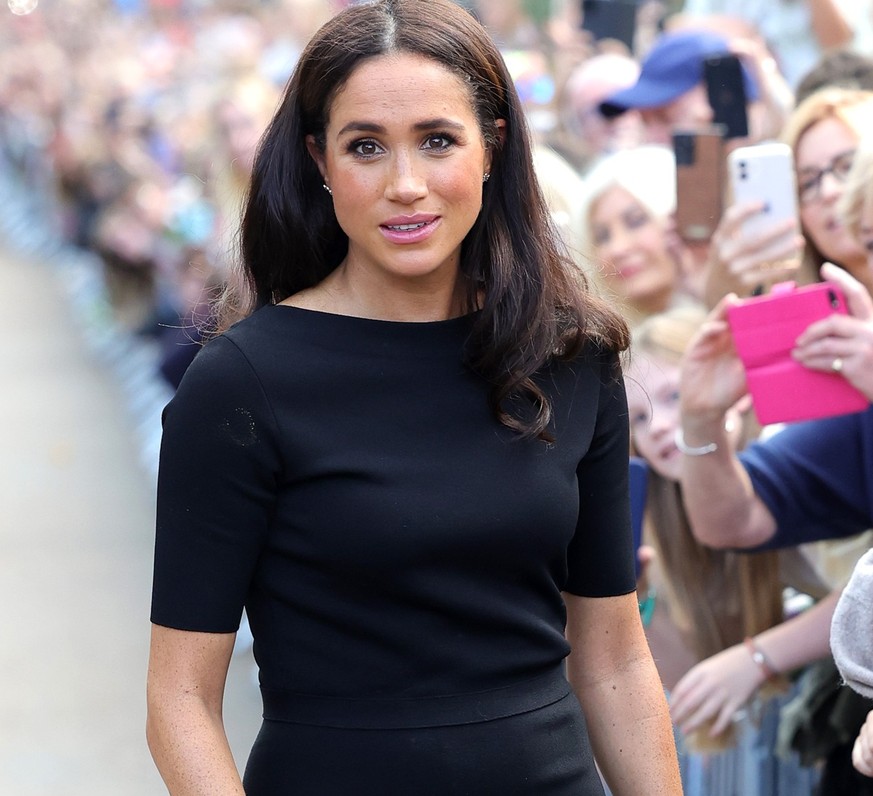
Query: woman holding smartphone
{"x": 823, "y": 133}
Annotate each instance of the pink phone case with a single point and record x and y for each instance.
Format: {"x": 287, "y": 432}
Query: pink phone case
{"x": 765, "y": 329}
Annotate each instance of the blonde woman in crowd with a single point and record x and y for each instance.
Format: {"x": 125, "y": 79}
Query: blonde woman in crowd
{"x": 626, "y": 231}
{"x": 823, "y": 132}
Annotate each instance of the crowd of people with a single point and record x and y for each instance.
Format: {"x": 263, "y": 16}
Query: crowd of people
{"x": 140, "y": 121}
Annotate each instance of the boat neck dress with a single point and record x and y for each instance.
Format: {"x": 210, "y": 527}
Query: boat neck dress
{"x": 400, "y": 554}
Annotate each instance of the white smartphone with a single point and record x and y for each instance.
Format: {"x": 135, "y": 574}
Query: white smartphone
{"x": 764, "y": 172}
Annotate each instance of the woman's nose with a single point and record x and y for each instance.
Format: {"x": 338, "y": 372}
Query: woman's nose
{"x": 831, "y": 187}
{"x": 405, "y": 183}
{"x": 664, "y": 421}
{"x": 618, "y": 243}
{"x": 660, "y": 425}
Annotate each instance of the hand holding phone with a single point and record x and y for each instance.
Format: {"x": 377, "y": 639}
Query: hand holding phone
{"x": 764, "y": 330}
{"x": 764, "y": 173}
{"x": 760, "y": 240}
{"x": 726, "y": 91}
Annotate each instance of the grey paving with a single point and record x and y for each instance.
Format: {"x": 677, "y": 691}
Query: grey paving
{"x": 76, "y": 517}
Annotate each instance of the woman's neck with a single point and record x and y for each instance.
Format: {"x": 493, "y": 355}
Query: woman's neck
{"x": 353, "y": 292}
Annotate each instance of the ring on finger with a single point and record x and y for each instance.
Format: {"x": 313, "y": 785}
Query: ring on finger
{"x": 837, "y": 365}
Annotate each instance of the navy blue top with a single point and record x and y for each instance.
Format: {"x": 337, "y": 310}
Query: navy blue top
{"x": 345, "y": 480}
{"x": 816, "y": 478}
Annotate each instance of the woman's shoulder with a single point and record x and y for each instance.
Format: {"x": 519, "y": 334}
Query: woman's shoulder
{"x": 237, "y": 352}
{"x": 591, "y": 368}
{"x": 270, "y": 327}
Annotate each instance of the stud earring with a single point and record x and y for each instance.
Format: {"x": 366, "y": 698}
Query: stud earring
{"x": 486, "y": 176}
{"x": 327, "y": 188}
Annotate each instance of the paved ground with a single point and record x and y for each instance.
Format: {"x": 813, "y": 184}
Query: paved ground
{"x": 76, "y": 514}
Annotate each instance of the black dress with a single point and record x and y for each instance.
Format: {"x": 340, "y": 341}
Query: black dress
{"x": 400, "y": 554}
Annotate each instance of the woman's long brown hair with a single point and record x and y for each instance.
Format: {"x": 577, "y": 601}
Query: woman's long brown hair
{"x": 532, "y": 300}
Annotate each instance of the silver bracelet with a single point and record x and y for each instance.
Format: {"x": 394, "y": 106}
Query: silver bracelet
{"x": 679, "y": 440}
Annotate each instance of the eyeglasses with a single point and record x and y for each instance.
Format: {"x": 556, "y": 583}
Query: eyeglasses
{"x": 810, "y": 184}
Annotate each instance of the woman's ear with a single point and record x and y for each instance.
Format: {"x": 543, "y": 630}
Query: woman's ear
{"x": 500, "y": 124}
{"x": 501, "y": 130}
{"x": 317, "y": 154}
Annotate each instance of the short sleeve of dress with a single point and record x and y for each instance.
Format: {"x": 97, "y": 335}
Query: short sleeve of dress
{"x": 219, "y": 466}
{"x": 601, "y": 555}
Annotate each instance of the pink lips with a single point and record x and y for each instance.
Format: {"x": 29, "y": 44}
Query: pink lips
{"x": 410, "y": 229}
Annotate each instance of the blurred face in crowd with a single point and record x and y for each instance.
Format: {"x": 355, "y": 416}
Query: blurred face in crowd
{"x": 603, "y": 136}
{"x": 632, "y": 250}
{"x": 404, "y": 157}
{"x": 823, "y": 156}
{"x": 653, "y": 408}
{"x": 241, "y": 130}
{"x": 589, "y": 85}
{"x": 691, "y": 109}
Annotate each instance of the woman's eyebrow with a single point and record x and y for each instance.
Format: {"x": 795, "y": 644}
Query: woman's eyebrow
{"x": 439, "y": 123}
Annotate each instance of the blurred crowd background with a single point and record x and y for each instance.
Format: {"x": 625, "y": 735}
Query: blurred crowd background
{"x": 128, "y": 129}
{"x": 137, "y": 120}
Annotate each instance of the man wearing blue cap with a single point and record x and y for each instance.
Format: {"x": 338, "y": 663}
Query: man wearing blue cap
{"x": 670, "y": 91}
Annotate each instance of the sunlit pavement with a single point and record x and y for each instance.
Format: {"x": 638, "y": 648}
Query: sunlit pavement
{"x": 76, "y": 526}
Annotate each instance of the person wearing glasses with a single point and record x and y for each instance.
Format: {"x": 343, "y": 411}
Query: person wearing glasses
{"x": 823, "y": 132}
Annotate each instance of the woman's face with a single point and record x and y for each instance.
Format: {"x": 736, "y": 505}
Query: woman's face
{"x": 632, "y": 250}
{"x": 653, "y": 408}
{"x": 652, "y": 385}
{"x": 405, "y": 160}
{"x": 821, "y": 155}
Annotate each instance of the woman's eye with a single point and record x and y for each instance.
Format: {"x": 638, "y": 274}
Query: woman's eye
{"x": 636, "y": 220}
{"x": 438, "y": 142}
{"x": 807, "y": 186}
{"x": 366, "y": 149}
{"x": 640, "y": 418}
{"x": 600, "y": 236}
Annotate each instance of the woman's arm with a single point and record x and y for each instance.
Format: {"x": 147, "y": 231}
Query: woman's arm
{"x": 184, "y": 728}
{"x": 718, "y": 687}
{"x": 830, "y": 27}
{"x": 722, "y": 506}
{"x": 615, "y": 679}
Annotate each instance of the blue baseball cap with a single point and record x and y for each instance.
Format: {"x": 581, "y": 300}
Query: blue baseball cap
{"x": 673, "y": 66}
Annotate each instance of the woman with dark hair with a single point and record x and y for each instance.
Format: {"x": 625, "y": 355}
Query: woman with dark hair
{"x": 408, "y": 460}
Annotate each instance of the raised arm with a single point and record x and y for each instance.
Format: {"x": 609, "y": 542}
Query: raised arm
{"x": 615, "y": 679}
{"x": 722, "y": 506}
{"x": 829, "y": 25}
{"x": 185, "y": 732}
